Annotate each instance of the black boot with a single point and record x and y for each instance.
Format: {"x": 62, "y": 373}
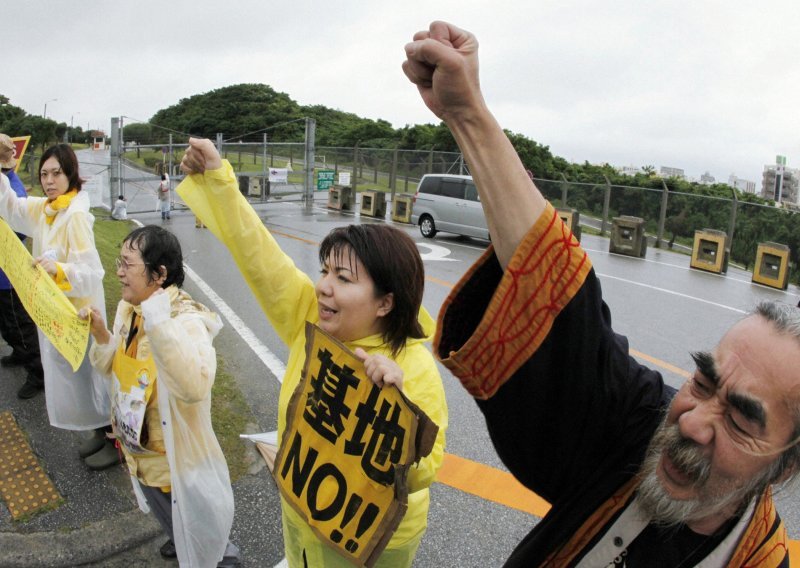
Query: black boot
{"x": 33, "y": 386}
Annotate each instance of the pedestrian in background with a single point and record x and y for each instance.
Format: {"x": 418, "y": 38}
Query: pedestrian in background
{"x": 60, "y": 225}
{"x": 120, "y": 211}
{"x": 163, "y": 197}
{"x": 161, "y": 364}
{"x": 16, "y": 326}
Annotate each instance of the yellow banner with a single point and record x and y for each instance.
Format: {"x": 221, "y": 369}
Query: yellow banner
{"x": 48, "y": 307}
{"x": 344, "y": 457}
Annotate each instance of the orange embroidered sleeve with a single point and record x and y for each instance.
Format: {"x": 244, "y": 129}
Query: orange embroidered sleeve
{"x": 765, "y": 542}
{"x": 546, "y": 272}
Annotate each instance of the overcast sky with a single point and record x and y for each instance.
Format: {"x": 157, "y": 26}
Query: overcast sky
{"x": 703, "y": 85}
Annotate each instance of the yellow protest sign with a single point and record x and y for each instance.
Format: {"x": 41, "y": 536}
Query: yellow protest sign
{"x": 48, "y": 307}
{"x": 344, "y": 457}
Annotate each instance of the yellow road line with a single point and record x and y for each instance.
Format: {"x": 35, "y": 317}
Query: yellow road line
{"x": 439, "y": 281}
{"x": 663, "y": 364}
{"x": 501, "y": 487}
{"x": 491, "y": 484}
{"x": 288, "y": 236}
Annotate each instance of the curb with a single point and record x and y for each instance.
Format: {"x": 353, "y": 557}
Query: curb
{"x": 93, "y": 543}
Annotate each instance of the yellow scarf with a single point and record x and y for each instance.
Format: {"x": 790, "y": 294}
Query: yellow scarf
{"x": 59, "y": 203}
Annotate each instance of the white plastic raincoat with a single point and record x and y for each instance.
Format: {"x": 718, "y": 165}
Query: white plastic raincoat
{"x": 75, "y": 401}
{"x": 178, "y": 332}
{"x": 288, "y": 299}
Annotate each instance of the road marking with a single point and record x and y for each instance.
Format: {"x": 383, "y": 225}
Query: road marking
{"x": 436, "y": 252}
{"x": 665, "y": 291}
{"x": 267, "y": 357}
{"x": 663, "y": 364}
{"x": 490, "y": 483}
{"x": 288, "y": 236}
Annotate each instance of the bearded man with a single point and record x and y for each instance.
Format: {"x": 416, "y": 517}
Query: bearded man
{"x": 637, "y": 474}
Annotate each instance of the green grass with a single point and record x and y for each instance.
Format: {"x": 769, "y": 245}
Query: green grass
{"x": 229, "y": 410}
{"x": 230, "y": 415}
{"x": 108, "y": 235}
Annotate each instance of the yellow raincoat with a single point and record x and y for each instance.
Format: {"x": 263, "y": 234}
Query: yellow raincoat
{"x": 178, "y": 333}
{"x": 287, "y": 297}
{"x": 75, "y": 401}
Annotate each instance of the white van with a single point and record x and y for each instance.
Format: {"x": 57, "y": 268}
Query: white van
{"x": 448, "y": 203}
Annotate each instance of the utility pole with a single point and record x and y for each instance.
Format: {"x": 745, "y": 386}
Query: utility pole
{"x": 310, "y": 150}
{"x": 115, "y": 160}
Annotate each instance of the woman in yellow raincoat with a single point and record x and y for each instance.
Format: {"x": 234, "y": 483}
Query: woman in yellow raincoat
{"x": 368, "y": 296}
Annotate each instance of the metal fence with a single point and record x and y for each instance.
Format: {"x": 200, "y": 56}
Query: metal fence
{"x": 670, "y": 217}
{"x": 138, "y": 163}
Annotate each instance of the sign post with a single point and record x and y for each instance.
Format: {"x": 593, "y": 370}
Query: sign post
{"x": 325, "y": 179}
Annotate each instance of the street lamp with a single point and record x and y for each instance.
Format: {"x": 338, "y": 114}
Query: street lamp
{"x": 45, "y": 107}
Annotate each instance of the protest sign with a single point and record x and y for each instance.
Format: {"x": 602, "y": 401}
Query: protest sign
{"x": 20, "y": 145}
{"x": 344, "y": 456}
{"x": 47, "y": 305}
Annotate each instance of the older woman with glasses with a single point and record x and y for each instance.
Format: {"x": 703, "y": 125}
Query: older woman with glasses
{"x": 160, "y": 361}
{"x": 60, "y": 225}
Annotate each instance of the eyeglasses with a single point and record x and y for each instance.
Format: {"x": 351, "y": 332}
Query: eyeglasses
{"x": 44, "y": 174}
{"x": 124, "y": 265}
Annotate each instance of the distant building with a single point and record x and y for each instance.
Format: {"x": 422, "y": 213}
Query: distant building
{"x": 744, "y": 185}
{"x": 779, "y": 183}
{"x": 98, "y": 138}
{"x": 668, "y": 172}
{"x": 707, "y": 179}
{"x": 629, "y": 170}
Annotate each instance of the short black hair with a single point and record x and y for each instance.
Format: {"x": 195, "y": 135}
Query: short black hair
{"x": 158, "y": 247}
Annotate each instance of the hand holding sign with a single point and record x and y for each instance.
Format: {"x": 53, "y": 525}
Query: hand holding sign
{"x": 48, "y": 264}
{"x": 97, "y": 325}
{"x": 380, "y": 369}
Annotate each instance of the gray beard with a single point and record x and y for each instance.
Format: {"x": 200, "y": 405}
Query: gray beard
{"x": 667, "y": 511}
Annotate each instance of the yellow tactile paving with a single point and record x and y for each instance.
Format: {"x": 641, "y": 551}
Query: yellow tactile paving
{"x": 24, "y": 486}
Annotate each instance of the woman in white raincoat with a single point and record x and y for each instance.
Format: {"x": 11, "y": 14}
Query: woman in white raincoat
{"x": 368, "y": 296}
{"x": 161, "y": 363}
{"x": 60, "y": 225}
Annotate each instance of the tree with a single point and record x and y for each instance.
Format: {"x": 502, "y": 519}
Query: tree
{"x": 139, "y": 132}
